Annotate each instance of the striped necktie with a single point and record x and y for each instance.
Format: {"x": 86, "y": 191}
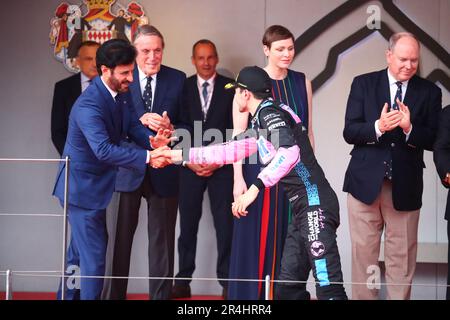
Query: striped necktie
{"x": 398, "y": 95}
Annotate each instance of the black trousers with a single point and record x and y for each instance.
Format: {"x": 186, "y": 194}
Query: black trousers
{"x": 447, "y": 296}
{"x": 162, "y": 214}
{"x": 311, "y": 245}
{"x": 220, "y": 190}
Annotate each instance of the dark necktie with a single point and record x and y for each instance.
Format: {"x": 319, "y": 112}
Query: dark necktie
{"x": 388, "y": 163}
{"x": 148, "y": 95}
{"x": 398, "y": 95}
{"x": 205, "y": 98}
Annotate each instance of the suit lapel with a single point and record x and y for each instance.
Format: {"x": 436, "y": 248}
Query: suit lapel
{"x": 411, "y": 94}
{"x": 160, "y": 90}
{"x": 118, "y": 112}
{"x": 126, "y": 115}
{"x": 384, "y": 94}
{"x": 77, "y": 85}
{"x": 104, "y": 93}
{"x": 136, "y": 95}
{"x": 197, "y": 103}
{"x": 216, "y": 92}
{"x": 109, "y": 106}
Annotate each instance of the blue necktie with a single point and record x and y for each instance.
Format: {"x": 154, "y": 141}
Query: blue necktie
{"x": 148, "y": 95}
{"x": 205, "y": 98}
{"x": 398, "y": 95}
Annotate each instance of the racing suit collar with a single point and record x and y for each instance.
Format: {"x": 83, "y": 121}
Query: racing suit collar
{"x": 264, "y": 103}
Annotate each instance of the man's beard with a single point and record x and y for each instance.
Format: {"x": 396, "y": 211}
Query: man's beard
{"x": 117, "y": 85}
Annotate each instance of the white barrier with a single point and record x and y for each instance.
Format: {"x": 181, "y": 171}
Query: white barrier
{"x": 64, "y": 244}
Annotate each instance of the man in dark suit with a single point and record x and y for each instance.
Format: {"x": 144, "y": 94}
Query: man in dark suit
{"x": 441, "y": 157}
{"x": 68, "y": 90}
{"x": 156, "y": 93}
{"x": 101, "y": 117}
{"x": 384, "y": 178}
{"x": 206, "y": 105}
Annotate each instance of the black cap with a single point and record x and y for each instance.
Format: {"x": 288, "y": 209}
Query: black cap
{"x": 253, "y": 79}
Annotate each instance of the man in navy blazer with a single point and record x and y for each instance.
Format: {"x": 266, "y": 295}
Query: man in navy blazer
{"x": 101, "y": 117}
{"x": 384, "y": 178}
{"x": 208, "y": 105}
{"x": 69, "y": 89}
{"x": 156, "y": 93}
{"x": 441, "y": 157}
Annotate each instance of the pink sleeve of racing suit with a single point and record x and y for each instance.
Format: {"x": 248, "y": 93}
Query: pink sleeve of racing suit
{"x": 282, "y": 163}
{"x": 225, "y": 153}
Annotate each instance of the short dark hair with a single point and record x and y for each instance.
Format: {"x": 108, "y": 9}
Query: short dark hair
{"x": 148, "y": 30}
{"x": 88, "y": 43}
{"x": 113, "y": 53}
{"x": 276, "y": 33}
{"x": 204, "y": 41}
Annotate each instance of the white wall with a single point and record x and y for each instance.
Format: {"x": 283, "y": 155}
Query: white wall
{"x": 29, "y": 72}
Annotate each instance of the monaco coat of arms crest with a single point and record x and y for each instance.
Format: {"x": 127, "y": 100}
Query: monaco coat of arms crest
{"x": 93, "y": 20}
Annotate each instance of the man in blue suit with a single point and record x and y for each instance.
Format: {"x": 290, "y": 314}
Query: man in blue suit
{"x": 156, "y": 93}
{"x": 100, "y": 118}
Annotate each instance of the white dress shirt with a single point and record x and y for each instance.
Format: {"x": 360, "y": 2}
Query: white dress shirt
{"x": 85, "y": 81}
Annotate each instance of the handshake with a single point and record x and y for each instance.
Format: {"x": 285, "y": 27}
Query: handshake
{"x": 161, "y": 155}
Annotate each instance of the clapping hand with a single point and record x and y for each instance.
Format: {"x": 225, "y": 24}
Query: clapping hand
{"x": 155, "y": 121}
{"x": 162, "y": 138}
{"x": 405, "y": 122}
{"x": 389, "y": 120}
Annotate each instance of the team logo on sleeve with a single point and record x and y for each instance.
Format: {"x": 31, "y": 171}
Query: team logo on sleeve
{"x": 266, "y": 150}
